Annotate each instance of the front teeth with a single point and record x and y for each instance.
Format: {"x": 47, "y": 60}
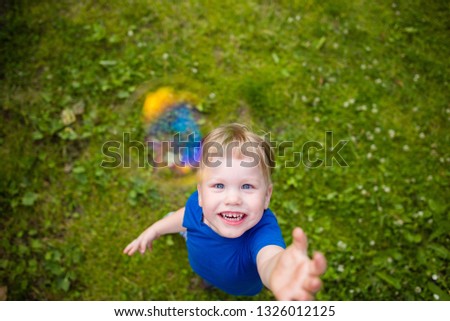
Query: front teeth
{"x": 233, "y": 217}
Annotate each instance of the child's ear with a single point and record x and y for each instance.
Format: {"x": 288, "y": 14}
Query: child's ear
{"x": 199, "y": 195}
{"x": 268, "y": 196}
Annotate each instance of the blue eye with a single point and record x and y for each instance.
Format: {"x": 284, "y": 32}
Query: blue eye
{"x": 247, "y": 186}
{"x": 220, "y": 186}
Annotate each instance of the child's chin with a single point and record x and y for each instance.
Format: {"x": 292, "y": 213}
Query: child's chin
{"x": 231, "y": 234}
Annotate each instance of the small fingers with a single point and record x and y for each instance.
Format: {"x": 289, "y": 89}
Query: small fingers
{"x": 133, "y": 247}
{"x": 299, "y": 239}
{"x": 312, "y": 285}
{"x": 130, "y": 248}
{"x": 142, "y": 247}
{"x": 300, "y": 296}
{"x": 304, "y": 296}
{"x": 319, "y": 264}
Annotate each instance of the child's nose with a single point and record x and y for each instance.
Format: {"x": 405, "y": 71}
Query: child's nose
{"x": 233, "y": 198}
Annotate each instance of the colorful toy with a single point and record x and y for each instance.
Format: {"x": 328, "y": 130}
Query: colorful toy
{"x": 171, "y": 122}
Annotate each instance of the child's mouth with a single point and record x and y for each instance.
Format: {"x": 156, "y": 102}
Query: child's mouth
{"x": 232, "y": 218}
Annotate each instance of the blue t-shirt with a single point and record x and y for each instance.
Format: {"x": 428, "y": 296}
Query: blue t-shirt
{"x": 228, "y": 263}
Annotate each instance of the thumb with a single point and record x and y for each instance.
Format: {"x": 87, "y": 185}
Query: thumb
{"x": 299, "y": 240}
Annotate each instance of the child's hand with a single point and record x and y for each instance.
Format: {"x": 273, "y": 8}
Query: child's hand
{"x": 144, "y": 241}
{"x": 296, "y": 276}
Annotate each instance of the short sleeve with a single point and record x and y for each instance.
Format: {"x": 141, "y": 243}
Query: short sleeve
{"x": 191, "y": 211}
{"x": 266, "y": 232}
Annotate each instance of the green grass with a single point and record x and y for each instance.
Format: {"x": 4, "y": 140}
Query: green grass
{"x": 375, "y": 73}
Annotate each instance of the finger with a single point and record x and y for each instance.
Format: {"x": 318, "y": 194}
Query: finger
{"x": 142, "y": 247}
{"x": 303, "y": 296}
{"x": 299, "y": 240}
{"x": 128, "y": 248}
{"x": 282, "y": 296}
{"x": 131, "y": 248}
{"x": 319, "y": 264}
{"x": 295, "y": 294}
{"x": 307, "y": 297}
{"x": 312, "y": 285}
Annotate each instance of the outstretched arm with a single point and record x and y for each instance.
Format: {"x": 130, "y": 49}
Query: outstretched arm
{"x": 290, "y": 274}
{"x": 167, "y": 225}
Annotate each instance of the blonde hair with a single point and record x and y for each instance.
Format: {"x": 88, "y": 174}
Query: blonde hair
{"x": 237, "y": 140}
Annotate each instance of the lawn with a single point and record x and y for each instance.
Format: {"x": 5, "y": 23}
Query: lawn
{"x": 74, "y": 74}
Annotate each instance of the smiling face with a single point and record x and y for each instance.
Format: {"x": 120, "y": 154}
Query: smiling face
{"x": 233, "y": 197}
